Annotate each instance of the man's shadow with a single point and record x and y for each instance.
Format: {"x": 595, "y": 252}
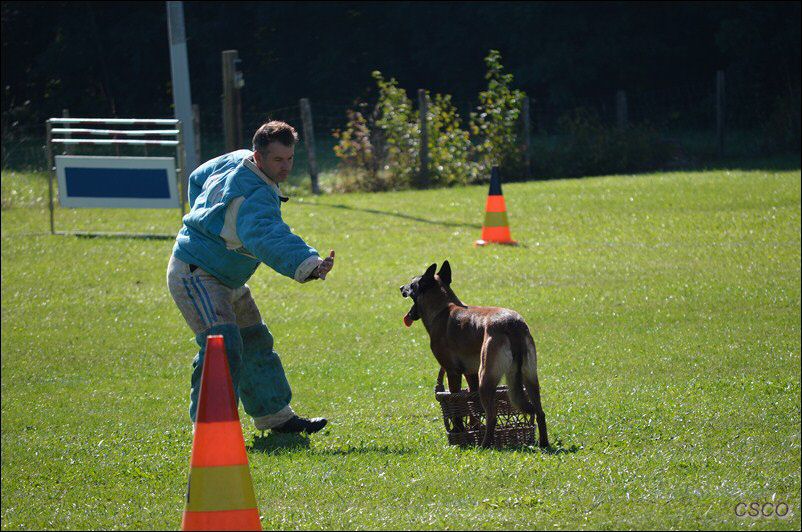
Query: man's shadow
{"x": 273, "y": 443}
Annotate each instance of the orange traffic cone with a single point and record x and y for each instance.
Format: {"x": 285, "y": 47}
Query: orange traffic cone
{"x": 220, "y": 491}
{"x": 496, "y": 228}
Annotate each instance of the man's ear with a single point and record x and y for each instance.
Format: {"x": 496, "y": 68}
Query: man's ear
{"x": 445, "y": 273}
{"x": 430, "y": 271}
{"x": 257, "y": 157}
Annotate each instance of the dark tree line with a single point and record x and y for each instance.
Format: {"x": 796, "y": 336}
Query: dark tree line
{"x": 112, "y": 58}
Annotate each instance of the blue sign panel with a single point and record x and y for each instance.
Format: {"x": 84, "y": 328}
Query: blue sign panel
{"x": 117, "y": 183}
{"x": 131, "y": 182}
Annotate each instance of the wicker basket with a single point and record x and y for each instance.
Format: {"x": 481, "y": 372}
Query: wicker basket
{"x": 513, "y": 427}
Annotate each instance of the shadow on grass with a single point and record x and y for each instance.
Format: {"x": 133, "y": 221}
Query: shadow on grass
{"x": 85, "y": 235}
{"x": 274, "y": 443}
{"x": 393, "y": 214}
{"x": 279, "y": 443}
{"x": 560, "y": 448}
{"x": 135, "y": 236}
{"x": 553, "y": 449}
{"x": 365, "y": 449}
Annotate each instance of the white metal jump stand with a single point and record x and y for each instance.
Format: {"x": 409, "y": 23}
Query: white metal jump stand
{"x": 115, "y": 181}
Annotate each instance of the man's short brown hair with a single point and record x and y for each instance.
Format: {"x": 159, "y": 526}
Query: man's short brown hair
{"x": 274, "y": 131}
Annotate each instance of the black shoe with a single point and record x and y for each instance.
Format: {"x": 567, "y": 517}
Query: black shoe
{"x": 298, "y": 424}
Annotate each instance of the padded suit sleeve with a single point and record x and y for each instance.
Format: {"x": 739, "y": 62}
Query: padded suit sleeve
{"x": 264, "y": 234}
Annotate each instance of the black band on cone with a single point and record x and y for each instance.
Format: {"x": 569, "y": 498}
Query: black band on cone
{"x": 495, "y": 182}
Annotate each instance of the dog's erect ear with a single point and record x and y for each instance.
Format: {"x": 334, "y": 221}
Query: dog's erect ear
{"x": 445, "y": 273}
{"x": 430, "y": 271}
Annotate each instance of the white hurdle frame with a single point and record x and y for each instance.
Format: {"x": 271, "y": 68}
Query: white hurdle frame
{"x": 63, "y": 136}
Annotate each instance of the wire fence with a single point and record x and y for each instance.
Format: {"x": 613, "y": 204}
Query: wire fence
{"x": 753, "y": 119}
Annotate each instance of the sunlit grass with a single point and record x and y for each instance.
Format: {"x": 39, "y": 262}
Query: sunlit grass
{"x": 666, "y": 309}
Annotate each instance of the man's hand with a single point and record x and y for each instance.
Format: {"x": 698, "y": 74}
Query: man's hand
{"x": 325, "y": 267}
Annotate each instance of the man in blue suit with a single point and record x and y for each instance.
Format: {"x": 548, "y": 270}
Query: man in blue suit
{"x": 233, "y": 225}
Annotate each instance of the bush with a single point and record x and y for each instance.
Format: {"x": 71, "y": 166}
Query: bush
{"x": 449, "y": 145}
{"x": 355, "y": 149}
{"x": 383, "y": 152}
{"x": 495, "y": 122}
{"x": 588, "y": 147}
{"x": 781, "y": 131}
{"x": 397, "y": 127}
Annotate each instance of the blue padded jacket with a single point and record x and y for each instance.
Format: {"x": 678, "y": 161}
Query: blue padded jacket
{"x": 261, "y": 234}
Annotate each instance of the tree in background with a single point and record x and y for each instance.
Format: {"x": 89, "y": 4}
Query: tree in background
{"x": 390, "y": 141}
{"x": 449, "y": 145}
{"x": 398, "y": 131}
{"x": 112, "y": 58}
{"x": 494, "y": 124}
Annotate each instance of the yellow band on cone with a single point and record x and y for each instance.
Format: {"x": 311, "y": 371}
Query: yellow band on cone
{"x": 220, "y": 488}
{"x": 496, "y": 219}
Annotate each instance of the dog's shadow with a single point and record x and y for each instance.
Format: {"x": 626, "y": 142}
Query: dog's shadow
{"x": 274, "y": 443}
{"x": 560, "y": 448}
{"x": 553, "y": 449}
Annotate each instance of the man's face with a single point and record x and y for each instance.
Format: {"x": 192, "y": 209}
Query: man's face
{"x": 276, "y": 161}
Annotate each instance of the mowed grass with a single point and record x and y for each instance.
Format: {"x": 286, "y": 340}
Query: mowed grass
{"x": 665, "y": 307}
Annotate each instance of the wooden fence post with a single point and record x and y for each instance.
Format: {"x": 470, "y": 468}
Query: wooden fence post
{"x": 527, "y": 126}
{"x": 197, "y": 129}
{"x": 720, "y": 113}
{"x": 309, "y": 140}
{"x": 621, "y": 109}
{"x": 232, "y": 103}
{"x": 424, "y": 138}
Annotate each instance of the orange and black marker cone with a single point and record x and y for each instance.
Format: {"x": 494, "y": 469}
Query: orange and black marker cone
{"x": 496, "y": 229}
{"x": 220, "y": 492}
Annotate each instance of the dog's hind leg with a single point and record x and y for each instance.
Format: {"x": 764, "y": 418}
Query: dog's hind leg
{"x": 496, "y": 358}
{"x": 454, "y": 386}
{"x": 529, "y": 370}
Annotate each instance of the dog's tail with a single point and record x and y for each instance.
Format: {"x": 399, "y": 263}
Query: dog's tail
{"x": 529, "y": 372}
{"x": 522, "y": 362}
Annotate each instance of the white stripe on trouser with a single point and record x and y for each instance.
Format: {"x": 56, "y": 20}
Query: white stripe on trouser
{"x": 202, "y": 317}
{"x": 205, "y": 300}
{"x": 273, "y": 420}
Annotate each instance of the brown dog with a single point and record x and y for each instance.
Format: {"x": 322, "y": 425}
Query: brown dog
{"x": 482, "y": 343}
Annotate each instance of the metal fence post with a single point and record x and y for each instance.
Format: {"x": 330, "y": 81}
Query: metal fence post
{"x": 181, "y": 174}
{"x": 50, "y": 170}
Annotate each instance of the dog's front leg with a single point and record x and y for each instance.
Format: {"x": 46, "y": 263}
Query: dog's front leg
{"x": 454, "y": 386}
{"x": 473, "y": 382}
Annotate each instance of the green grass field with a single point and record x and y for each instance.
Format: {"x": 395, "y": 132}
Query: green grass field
{"x": 666, "y": 309}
